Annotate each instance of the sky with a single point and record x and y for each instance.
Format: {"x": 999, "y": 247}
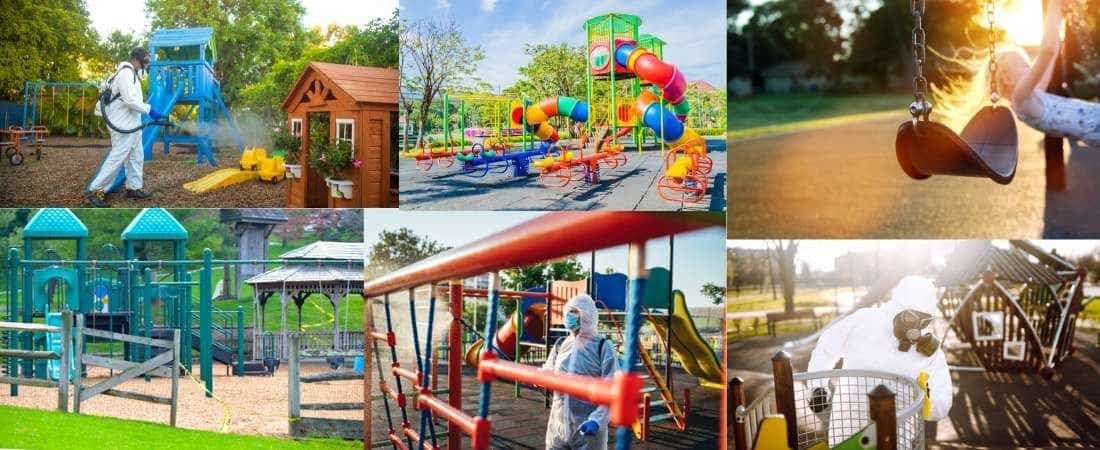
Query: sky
{"x": 129, "y": 15}
{"x": 820, "y": 254}
{"x": 698, "y": 255}
{"x": 695, "y": 31}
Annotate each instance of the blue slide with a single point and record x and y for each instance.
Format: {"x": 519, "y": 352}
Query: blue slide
{"x": 53, "y": 344}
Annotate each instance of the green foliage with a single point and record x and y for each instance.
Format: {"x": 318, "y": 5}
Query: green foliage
{"x": 435, "y": 58}
{"x": 396, "y": 249}
{"x": 527, "y": 277}
{"x": 554, "y": 69}
{"x": 792, "y": 30}
{"x": 69, "y": 111}
{"x": 713, "y": 292}
{"x": 287, "y": 143}
{"x": 43, "y": 40}
{"x": 326, "y": 157}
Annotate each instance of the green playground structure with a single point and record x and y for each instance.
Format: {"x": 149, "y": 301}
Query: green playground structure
{"x": 127, "y": 292}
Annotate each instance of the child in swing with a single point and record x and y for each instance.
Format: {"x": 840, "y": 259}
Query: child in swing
{"x": 1026, "y": 82}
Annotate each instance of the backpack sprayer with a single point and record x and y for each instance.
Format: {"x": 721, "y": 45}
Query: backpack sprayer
{"x": 108, "y": 96}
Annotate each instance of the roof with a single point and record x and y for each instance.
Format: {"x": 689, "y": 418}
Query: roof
{"x": 703, "y": 86}
{"x": 254, "y": 215}
{"x": 181, "y": 36}
{"x": 788, "y": 69}
{"x": 970, "y": 260}
{"x": 329, "y": 250}
{"x": 311, "y": 274}
{"x": 154, "y": 224}
{"x": 55, "y": 223}
{"x": 362, "y": 84}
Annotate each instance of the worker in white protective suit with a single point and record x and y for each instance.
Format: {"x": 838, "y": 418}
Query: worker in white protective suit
{"x": 123, "y": 115}
{"x": 895, "y": 337}
{"x": 575, "y": 423}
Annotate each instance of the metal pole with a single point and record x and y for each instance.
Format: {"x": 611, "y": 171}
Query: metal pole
{"x": 13, "y": 312}
{"x": 490, "y": 333}
{"x": 671, "y": 306}
{"x": 206, "y": 362}
{"x": 240, "y": 340}
{"x": 636, "y": 297}
{"x": 454, "y": 361}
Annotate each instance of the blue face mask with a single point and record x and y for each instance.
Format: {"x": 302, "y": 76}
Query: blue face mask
{"x": 572, "y": 322}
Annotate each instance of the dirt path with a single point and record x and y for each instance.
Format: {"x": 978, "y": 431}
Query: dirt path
{"x": 806, "y": 185}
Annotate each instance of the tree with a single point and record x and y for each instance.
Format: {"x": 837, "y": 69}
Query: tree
{"x": 536, "y": 275}
{"x": 249, "y": 35}
{"x": 43, "y": 40}
{"x": 435, "y": 58}
{"x": 554, "y": 69}
{"x": 784, "y": 257}
{"x": 713, "y": 292}
{"x": 793, "y": 30}
{"x": 396, "y": 249}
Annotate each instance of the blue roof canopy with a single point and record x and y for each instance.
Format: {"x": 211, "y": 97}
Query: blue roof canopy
{"x": 55, "y": 223}
{"x": 177, "y": 37}
{"x": 154, "y": 224}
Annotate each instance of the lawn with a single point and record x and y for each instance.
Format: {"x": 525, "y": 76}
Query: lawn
{"x": 766, "y": 113}
{"x": 38, "y": 429}
{"x": 751, "y": 299}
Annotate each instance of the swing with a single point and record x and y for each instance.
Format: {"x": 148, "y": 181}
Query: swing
{"x": 987, "y": 146}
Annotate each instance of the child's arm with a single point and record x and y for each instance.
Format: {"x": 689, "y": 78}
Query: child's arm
{"x": 1038, "y": 76}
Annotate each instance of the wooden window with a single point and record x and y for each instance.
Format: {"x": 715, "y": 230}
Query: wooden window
{"x": 345, "y": 131}
{"x": 296, "y": 127}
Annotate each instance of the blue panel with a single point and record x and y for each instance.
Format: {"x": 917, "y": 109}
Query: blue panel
{"x": 610, "y": 291}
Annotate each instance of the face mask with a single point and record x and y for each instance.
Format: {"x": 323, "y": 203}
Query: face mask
{"x": 907, "y": 329}
{"x": 572, "y": 322}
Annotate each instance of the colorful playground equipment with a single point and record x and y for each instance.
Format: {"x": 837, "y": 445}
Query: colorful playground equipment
{"x": 509, "y": 248}
{"x": 181, "y": 73}
{"x": 890, "y": 417}
{"x": 15, "y": 137}
{"x": 254, "y": 164}
{"x": 1014, "y": 313}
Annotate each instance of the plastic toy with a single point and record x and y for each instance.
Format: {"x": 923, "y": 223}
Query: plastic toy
{"x": 13, "y": 140}
{"x": 254, "y": 164}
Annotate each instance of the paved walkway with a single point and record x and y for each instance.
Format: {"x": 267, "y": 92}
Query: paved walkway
{"x": 628, "y": 187}
{"x": 844, "y": 181}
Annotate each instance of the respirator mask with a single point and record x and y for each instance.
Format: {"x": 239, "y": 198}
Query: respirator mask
{"x": 907, "y": 329}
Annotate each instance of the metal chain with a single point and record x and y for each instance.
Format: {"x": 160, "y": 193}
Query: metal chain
{"x": 990, "y": 11}
{"x": 920, "y": 108}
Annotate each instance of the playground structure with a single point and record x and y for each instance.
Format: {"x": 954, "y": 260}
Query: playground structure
{"x": 510, "y": 248}
{"x": 1015, "y": 314}
{"x": 892, "y": 418}
{"x": 123, "y": 292}
{"x": 354, "y": 105}
{"x": 254, "y": 164}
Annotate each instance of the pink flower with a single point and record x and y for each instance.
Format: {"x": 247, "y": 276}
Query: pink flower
{"x": 357, "y": 164}
{"x": 277, "y": 129}
{"x": 322, "y": 158}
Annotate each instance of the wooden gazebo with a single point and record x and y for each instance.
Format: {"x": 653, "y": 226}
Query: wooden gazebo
{"x": 302, "y": 275}
{"x": 361, "y": 108}
{"x": 1017, "y": 308}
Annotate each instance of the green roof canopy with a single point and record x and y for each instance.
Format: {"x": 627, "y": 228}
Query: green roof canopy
{"x": 154, "y": 224}
{"x": 623, "y": 23}
{"x": 55, "y": 223}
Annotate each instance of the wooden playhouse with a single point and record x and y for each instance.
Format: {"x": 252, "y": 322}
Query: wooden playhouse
{"x": 358, "y": 105}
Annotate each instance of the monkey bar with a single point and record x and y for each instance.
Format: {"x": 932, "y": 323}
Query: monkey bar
{"x": 520, "y": 245}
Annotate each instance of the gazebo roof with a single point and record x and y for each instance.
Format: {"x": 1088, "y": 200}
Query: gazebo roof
{"x": 328, "y": 250}
{"x": 155, "y": 224}
{"x": 300, "y": 274}
{"x": 970, "y": 260}
{"x": 55, "y": 223}
{"x": 254, "y": 215}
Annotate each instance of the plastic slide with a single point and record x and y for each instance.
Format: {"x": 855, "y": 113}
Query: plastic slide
{"x": 689, "y": 347}
{"x": 219, "y": 179}
{"x": 662, "y": 121}
{"x": 538, "y": 114}
{"x": 533, "y": 321}
{"x": 661, "y": 74}
{"x": 161, "y": 101}
{"x": 53, "y": 344}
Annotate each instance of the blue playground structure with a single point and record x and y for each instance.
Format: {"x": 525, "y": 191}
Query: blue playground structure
{"x": 482, "y": 161}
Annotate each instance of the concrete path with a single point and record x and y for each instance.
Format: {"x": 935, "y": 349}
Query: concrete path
{"x": 628, "y": 187}
{"x": 844, "y": 181}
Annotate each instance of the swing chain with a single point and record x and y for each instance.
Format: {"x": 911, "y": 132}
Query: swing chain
{"x": 990, "y": 12}
{"x": 920, "y": 108}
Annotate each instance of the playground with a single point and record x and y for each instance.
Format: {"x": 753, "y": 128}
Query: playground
{"x": 312, "y": 134}
{"x": 631, "y": 130}
{"x": 104, "y": 322}
{"x": 1016, "y": 323}
{"x": 932, "y": 165}
{"x": 434, "y": 379}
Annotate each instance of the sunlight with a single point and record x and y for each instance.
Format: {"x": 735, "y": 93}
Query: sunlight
{"x": 1022, "y": 20}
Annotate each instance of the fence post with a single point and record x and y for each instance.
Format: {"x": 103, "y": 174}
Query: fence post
{"x": 735, "y": 395}
{"x": 66, "y": 354}
{"x": 784, "y": 394}
{"x": 78, "y": 384}
{"x": 881, "y": 411}
{"x": 240, "y": 341}
{"x": 206, "y": 361}
{"x": 293, "y": 386}
{"x": 175, "y": 374}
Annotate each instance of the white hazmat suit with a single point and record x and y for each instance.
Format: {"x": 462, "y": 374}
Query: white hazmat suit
{"x": 126, "y": 150}
{"x": 581, "y": 353}
{"x": 865, "y": 340}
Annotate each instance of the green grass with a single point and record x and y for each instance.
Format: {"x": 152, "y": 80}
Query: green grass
{"x": 37, "y": 429}
{"x": 753, "y": 300}
{"x": 770, "y": 113}
{"x": 1091, "y": 312}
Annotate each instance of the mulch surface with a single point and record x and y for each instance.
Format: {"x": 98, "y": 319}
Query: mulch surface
{"x": 59, "y": 178}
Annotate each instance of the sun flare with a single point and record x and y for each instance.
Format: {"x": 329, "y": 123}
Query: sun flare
{"x": 1022, "y": 21}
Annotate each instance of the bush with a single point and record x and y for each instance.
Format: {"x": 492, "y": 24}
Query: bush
{"x": 330, "y": 159}
{"x": 288, "y": 144}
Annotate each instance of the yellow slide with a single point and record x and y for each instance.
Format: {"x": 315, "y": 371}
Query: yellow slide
{"x": 219, "y": 179}
{"x": 689, "y": 347}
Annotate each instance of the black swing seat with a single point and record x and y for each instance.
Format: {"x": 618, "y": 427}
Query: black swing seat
{"x": 987, "y": 147}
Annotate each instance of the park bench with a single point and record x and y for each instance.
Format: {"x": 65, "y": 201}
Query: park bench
{"x": 805, "y": 314}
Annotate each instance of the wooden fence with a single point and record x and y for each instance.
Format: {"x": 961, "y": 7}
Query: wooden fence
{"x": 319, "y": 426}
{"x": 66, "y": 343}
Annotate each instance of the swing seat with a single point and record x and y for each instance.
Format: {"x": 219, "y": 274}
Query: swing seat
{"x": 987, "y": 147}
